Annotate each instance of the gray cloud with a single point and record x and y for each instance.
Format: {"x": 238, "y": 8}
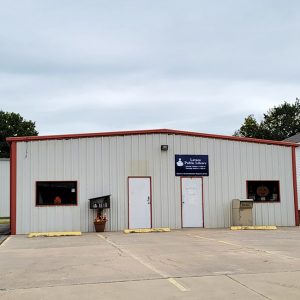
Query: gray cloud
{"x": 78, "y": 66}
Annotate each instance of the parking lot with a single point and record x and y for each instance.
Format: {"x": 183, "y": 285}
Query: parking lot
{"x": 181, "y": 264}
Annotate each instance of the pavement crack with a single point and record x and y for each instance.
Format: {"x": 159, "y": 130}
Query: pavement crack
{"x": 120, "y": 250}
{"x": 247, "y": 287}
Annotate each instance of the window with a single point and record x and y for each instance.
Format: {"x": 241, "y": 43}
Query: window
{"x": 261, "y": 191}
{"x": 56, "y": 193}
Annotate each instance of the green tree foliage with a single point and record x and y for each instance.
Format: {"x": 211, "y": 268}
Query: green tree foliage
{"x": 250, "y": 128}
{"x": 13, "y": 124}
{"x": 279, "y": 123}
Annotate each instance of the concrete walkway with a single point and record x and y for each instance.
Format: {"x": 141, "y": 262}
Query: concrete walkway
{"x": 183, "y": 264}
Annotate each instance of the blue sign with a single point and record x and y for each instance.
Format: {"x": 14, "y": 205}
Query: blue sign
{"x": 191, "y": 165}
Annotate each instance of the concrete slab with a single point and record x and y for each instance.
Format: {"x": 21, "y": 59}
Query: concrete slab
{"x": 202, "y": 288}
{"x": 197, "y": 253}
{"x": 28, "y": 267}
{"x": 282, "y": 285}
{"x": 185, "y": 264}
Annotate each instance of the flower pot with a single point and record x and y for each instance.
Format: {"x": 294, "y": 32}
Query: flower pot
{"x": 99, "y": 226}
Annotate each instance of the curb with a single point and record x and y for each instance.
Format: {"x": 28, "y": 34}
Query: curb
{"x": 253, "y": 227}
{"x": 53, "y": 234}
{"x": 147, "y": 230}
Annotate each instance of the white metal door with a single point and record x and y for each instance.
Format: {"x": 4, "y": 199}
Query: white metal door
{"x": 139, "y": 202}
{"x": 191, "y": 195}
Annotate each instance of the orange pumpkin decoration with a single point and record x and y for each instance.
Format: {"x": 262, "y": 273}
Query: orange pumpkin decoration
{"x": 57, "y": 200}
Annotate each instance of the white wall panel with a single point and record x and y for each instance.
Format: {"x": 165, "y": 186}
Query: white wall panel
{"x": 102, "y": 165}
{"x": 4, "y": 188}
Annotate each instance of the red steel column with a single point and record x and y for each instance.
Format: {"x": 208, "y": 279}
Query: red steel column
{"x": 295, "y": 185}
{"x": 13, "y": 187}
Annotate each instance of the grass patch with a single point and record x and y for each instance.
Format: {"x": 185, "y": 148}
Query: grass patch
{"x": 4, "y": 220}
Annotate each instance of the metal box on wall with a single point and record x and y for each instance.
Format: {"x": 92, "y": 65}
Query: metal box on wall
{"x": 100, "y": 202}
{"x": 242, "y": 212}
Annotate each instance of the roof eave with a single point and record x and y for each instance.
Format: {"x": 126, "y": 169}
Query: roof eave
{"x": 149, "y": 131}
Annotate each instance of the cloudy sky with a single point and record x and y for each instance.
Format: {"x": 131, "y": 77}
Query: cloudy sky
{"x": 85, "y": 66}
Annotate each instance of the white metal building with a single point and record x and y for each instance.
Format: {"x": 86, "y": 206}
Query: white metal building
{"x": 53, "y": 178}
{"x": 4, "y": 188}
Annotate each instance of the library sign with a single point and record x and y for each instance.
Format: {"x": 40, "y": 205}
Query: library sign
{"x": 191, "y": 165}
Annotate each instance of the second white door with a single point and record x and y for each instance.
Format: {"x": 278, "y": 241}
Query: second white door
{"x": 191, "y": 195}
{"x": 139, "y": 202}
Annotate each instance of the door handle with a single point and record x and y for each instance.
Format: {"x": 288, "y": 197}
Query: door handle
{"x": 148, "y": 200}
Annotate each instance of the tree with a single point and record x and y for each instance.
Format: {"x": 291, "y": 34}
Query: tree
{"x": 250, "y": 128}
{"x": 279, "y": 123}
{"x": 13, "y": 124}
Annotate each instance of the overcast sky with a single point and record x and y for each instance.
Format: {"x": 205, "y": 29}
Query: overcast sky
{"x": 77, "y": 66}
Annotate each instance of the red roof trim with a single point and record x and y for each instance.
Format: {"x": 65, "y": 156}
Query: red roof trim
{"x": 149, "y": 131}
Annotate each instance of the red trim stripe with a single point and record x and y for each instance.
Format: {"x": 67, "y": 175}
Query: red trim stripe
{"x": 13, "y": 187}
{"x": 295, "y": 186}
{"x": 150, "y": 131}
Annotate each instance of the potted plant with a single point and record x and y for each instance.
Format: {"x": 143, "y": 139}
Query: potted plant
{"x": 100, "y": 222}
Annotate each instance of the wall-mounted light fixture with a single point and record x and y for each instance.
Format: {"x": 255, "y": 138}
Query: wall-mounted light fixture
{"x": 164, "y": 147}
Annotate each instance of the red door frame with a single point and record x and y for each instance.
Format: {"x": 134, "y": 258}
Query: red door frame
{"x": 181, "y": 177}
{"x": 128, "y": 178}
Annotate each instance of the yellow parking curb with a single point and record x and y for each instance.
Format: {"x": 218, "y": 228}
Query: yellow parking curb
{"x": 145, "y": 230}
{"x": 253, "y": 227}
{"x": 52, "y": 234}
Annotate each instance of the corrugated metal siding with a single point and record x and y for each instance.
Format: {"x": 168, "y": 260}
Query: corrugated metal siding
{"x": 102, "y": 165}
{"x": 298, "y": 174}
{"x": 4, "y": 188}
